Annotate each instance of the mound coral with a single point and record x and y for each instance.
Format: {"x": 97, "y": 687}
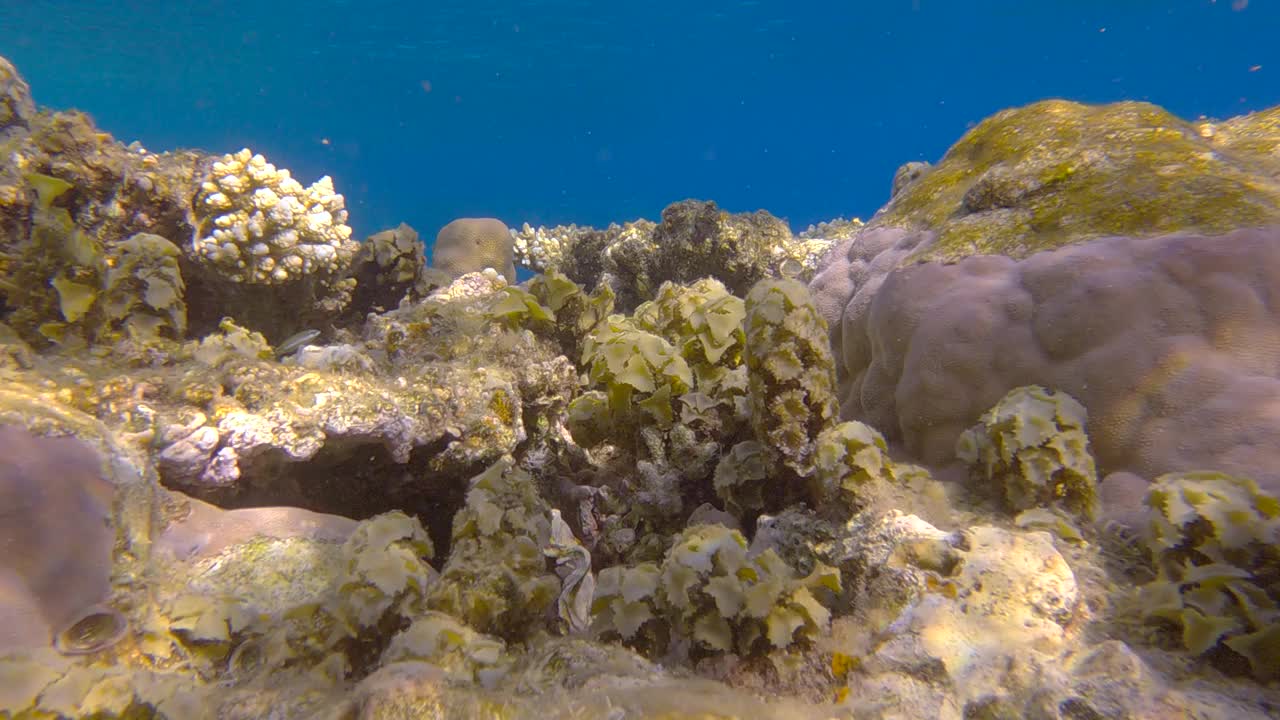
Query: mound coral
{"x": 1168, "y": 342}
{"x": 473, "y": 244}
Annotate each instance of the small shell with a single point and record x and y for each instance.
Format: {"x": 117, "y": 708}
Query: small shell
{"x": 247, "y": 659}
{"x": 97, "y": 628}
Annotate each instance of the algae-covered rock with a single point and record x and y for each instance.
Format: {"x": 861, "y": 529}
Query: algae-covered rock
{"x": 709, "y": 591}
{"x": 852, "y": 462}
{"x": 389, "y": 267}
{"x": 16, "y": 105}
{"x": 1057, "y": 172}
{"x": 790, "y": 371}
{"x": 143, "y": 291}
{"x": 496, "y": 578}
{"x": 1215, "y": 542}
{"x": 1031, "y": 449}
{"x": 450, "y": 645}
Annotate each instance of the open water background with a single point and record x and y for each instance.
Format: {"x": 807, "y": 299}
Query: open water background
{"x": 559, "y": 111}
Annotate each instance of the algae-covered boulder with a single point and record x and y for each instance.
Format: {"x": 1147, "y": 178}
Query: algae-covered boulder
{"x": 710, "y": 592}
{"x": 389, "y": 266}
{"x": 1057, "y": 172}
{"x": 496, "y": 578}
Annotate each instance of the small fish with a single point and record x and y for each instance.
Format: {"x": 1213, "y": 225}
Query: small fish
{"x": 295, "y": 342}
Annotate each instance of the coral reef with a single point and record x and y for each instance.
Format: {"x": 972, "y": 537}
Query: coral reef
{"x": 695, "y": 239}
{"x": 364, "y": 488}
{"x": 472, "y": 244}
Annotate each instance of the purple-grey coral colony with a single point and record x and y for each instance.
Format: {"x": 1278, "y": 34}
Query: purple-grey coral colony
{"x": 1009, "y": 449}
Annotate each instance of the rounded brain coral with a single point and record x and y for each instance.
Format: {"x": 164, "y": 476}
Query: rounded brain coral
{"x": 473, "y": 244}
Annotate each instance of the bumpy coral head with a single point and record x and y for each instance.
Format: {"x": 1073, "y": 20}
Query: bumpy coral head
{"x": 473, "y": 244}
{"x": 256, "y": 224}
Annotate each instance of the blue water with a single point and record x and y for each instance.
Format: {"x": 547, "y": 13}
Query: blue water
{"x": 552, "y": 112}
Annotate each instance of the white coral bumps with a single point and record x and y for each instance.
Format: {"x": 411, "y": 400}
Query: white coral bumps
{"x": 256, "y": 224}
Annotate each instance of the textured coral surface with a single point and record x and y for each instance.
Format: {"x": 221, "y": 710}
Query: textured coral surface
{"x": 1171, "y": 343}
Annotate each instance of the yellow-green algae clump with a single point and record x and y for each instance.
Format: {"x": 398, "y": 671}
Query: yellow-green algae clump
{"x": 1056, "y": 172}
{"x": 1215, "y": 541}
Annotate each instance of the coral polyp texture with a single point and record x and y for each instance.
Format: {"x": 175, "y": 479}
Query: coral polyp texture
{"x": 473, "y": 244}
{"x": 256, "y": 224}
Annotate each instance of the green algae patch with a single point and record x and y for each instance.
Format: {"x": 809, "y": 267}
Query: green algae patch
{"x": 1054, "y": 173}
